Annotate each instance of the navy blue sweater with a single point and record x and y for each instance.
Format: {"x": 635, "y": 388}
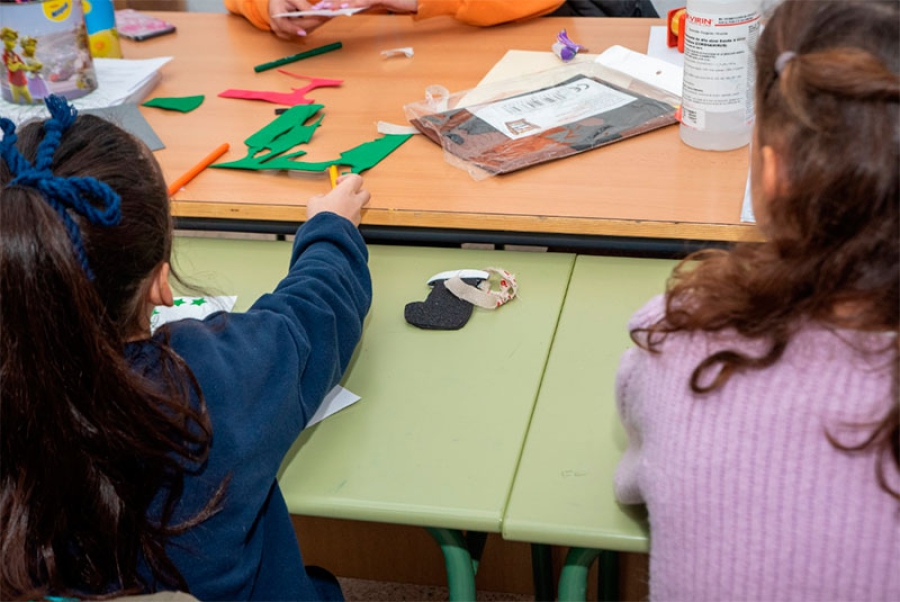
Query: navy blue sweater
{"x": 263, "y": 374}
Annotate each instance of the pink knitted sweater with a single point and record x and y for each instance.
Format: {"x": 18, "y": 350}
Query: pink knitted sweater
{"x": 747, "y": 499}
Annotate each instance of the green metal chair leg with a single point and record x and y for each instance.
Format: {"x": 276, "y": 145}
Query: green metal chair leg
{"x": 542, "y": 572}
{"x": 608, "y": 575}
{"x": 475, "y": 541}
{"x": 458, "y": 561}
{"x": 573, "y": 577}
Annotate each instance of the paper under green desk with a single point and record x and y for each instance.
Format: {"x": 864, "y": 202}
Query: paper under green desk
{"x": 436, "y": 437}
{"x": 563, "y": 491}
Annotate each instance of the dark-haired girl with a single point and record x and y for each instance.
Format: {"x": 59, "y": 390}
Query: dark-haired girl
{"x": 131, "y": 463}
{"x": 761, "y": 401}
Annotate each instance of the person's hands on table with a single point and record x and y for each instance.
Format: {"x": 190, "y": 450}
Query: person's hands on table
{"x": 288, "y": 28}
{"x": 292, "y": 27}
{"x": 397, "y": 6}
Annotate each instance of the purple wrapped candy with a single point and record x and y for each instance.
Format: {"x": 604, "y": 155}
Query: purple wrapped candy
{"x": 565, "y": 48}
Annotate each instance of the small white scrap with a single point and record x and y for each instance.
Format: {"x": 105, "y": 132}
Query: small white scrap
{"x": 335, "y": 400}
{"x": 406, "y": 51}
{"x": 392, "y": 128}
{"x": 463, "y": 273}
{"x": 747, "y": 205}
{"x": 437, "y": 97}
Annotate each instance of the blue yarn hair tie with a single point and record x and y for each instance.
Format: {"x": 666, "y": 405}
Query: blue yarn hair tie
{"x": 89, "y": 197}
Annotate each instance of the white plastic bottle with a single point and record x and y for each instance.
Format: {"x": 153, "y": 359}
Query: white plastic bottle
{"x": 719, "y": 73}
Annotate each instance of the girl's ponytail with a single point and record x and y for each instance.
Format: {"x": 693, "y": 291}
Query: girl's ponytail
{"x": 805, "y": 80}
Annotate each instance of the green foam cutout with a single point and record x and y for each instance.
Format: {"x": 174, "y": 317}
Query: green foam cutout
{"x": 185, "y": 104}
{"x": 266, "y": 148}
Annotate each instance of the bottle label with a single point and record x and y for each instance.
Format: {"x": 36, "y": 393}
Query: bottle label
{"x": 719, "y": 68}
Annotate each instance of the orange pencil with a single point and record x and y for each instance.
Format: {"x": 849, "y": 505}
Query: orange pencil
{"x": 192, "y": 172}
{"x": 333, "y": 174}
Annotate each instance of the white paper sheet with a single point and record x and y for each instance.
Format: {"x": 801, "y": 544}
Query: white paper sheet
{"x": 322, "y": 12}
{"x": 190, "y": 307}
{"x": 645, "y": 68}
{"x": 520, "y": 62}
{"x": 516, "y": 63}
{"x": 657, "y": 48}
{"x": 336, "y": 400}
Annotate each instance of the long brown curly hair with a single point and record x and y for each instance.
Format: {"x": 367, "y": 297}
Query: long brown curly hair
{"x": 832, "y": 229}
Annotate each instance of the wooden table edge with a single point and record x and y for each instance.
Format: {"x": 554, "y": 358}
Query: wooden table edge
{"x": 485, "y": 222}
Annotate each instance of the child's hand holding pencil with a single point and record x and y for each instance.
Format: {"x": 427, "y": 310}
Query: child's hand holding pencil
{"x": 346, "y": 199}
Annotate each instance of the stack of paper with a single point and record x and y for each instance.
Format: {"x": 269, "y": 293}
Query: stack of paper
{"x": 118, "y": 81}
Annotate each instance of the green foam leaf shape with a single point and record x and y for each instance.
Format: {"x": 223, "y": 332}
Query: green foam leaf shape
{"x": 185, "y": 104}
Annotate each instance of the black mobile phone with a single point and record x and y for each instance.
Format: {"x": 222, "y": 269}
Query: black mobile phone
{"x": 138, "y": 26}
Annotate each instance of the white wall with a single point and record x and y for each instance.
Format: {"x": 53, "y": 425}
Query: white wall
{"x": 205, "y": 6}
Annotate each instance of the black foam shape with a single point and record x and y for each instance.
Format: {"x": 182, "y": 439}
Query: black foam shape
{"x": 441, "y": 310}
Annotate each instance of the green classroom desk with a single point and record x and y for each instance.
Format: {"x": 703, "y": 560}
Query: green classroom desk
{"x": 436, "y": 438}
{"x": 563, "y": 490}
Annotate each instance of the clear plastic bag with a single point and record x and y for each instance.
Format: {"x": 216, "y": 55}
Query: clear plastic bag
{"x": 513, "y": 124}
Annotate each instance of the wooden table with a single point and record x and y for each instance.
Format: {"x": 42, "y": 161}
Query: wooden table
{"x": 649, "y": 189}
{"x": 563, "y": 492}
{"x": 435, "y": 440}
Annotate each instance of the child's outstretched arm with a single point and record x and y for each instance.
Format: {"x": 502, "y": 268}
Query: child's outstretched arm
{"x": 263, "y": 374}
{"x": 326, "y": 294}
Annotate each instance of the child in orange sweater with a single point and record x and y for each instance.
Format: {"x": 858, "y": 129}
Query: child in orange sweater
{"x": 472, "y": 12}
